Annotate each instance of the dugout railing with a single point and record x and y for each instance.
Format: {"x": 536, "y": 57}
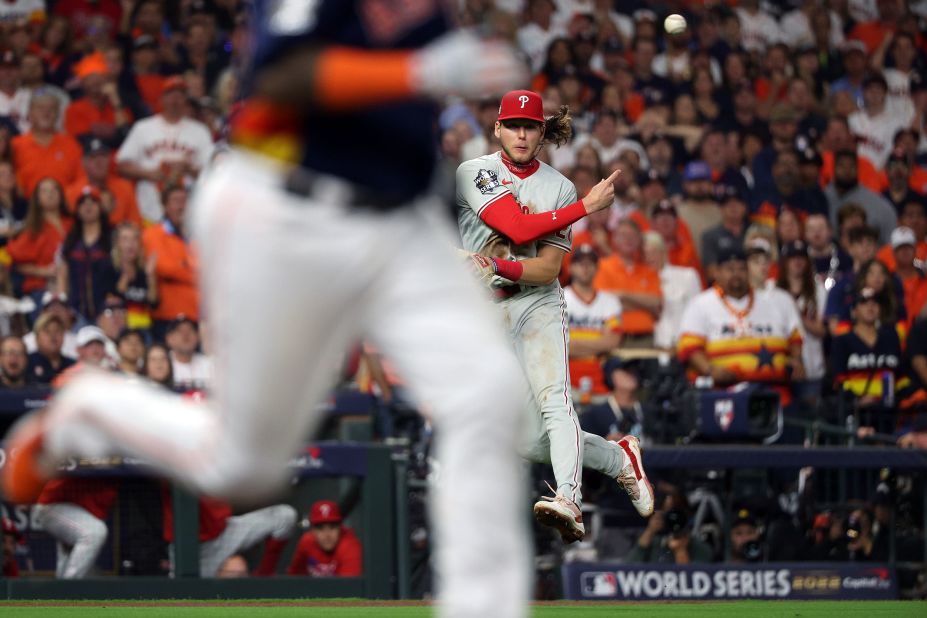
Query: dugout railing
{"x": 372, "y": 464}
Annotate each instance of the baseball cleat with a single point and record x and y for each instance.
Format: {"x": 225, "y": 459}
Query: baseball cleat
{"x": 24, "y": 474}
{"x": 562, "y": 514}
{"x": 632, "y": 477}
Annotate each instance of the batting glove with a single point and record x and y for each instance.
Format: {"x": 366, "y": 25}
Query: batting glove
{"x": 484, "y": 267}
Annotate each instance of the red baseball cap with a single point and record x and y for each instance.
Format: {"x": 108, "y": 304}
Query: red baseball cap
{"x": 174, "y": 82}
{"x": 324, "y": 512}
{"x": 521, "y": 104}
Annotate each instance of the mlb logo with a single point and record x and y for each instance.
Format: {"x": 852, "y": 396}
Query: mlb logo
{"x": 724, "y": 413}
{"x": 599, "y": 585}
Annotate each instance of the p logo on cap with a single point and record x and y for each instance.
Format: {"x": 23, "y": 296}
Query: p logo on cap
{"x": 521, "y": 104}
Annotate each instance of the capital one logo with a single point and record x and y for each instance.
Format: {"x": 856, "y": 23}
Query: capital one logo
{"x": 524, "y": 99}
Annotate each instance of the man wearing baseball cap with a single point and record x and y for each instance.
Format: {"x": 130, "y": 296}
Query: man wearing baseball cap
{"x": 329, "y": 549}
{"x": 514, "y": 214}
{"x": 904, "y": 247}
{"x": 733, "y": 333}
{"x": 595, "y": 325}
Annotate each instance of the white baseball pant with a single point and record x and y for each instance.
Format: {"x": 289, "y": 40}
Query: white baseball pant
{"x": 289, "y": 283}
{"x": 551, "y": 434}
{"x": 79, "y": 537}
{"x": 243, "y": 531}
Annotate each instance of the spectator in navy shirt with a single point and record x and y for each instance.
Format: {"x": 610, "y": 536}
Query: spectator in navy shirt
{"x": 86, "y": 253}
{"x": 621, "y": 413}
{"x": 48, "y": 361}
{"x": 829, "y": 260}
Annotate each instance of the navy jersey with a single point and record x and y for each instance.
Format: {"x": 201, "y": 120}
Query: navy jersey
{"x": 862, "y": 369}
{"x": 388, "y": 149}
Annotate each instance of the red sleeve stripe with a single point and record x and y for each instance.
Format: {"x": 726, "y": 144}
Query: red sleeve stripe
{"x": 479, "y": 213}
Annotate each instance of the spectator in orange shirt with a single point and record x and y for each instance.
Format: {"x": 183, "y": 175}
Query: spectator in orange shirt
{"x": 913, "y": 215}
{"x": 912, "y": 278}
{"x": 99, "y": 113}
{"x": 175, "y": 264}
{"x": 872, "y": 33}
{"x": 636, "y": 285}
{"x": 665, "y": 222}
{"x": 117, "y": 193}
{"x": 838, "y": 137}
{"x": 33, "y": 249}
{"x": 145, "y": 69}
{"x": 44, "y": 152}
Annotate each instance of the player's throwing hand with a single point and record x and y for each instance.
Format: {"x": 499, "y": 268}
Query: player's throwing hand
{"x": 602, "y": 195}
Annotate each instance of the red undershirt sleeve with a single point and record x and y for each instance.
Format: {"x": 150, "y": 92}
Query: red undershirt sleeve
{"x": 504, "y": 215}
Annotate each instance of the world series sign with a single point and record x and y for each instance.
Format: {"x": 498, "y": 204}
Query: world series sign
{"x": 645, "y": 582}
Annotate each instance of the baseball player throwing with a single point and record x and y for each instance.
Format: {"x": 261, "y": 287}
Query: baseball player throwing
{"x": 316, "y": 231}
{"x": 514, "y": 214}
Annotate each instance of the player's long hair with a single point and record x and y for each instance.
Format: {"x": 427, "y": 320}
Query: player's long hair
{"x": 559, "y": 129}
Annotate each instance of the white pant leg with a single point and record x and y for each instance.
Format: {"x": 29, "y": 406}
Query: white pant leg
{"x": 598, "y": 453}
{"x": 243, "y": 531}
{"x": 283, "y": 281}
{"x": 429, "y": 317}
{"x": 541, "y": 344}
{"x": 76, "y": 528}
{"x": 63, "y": 552}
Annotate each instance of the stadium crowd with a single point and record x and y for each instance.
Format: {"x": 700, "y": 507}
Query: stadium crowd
{"x": 773, "y": 157}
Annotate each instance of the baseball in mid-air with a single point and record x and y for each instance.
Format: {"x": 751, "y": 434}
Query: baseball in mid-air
{"x": 674, "y": 24}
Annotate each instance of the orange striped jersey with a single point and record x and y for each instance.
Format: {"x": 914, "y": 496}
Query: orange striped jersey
{"x": 862, "y": 369}
{"x": 751, "y": 336}
{"x": 590, "y": 321}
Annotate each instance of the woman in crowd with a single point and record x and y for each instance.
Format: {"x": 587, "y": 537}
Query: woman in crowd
{"x": 157, "y": 366}
{"x": 33, "y": 250}
{"x": 54, "y": 48}
{"x": 85, "y": 252}
{"x": 587, "y": 156}
{"x": 796, "y": 277}
{"x": 704, "y": 96}
{"x": 788, "y": 227}
{"x": 559, "y": 57}
{"x": 876, "y": 276}
{"x": 129, "y": 276}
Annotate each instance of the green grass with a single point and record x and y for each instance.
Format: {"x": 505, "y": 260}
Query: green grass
{"x": 235, "y": 609}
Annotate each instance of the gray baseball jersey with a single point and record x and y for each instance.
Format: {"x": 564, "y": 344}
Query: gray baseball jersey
{"x": 483, "y": 180}
{"x": 535, "y": 317}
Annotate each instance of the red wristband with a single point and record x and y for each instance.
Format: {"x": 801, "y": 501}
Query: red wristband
{"x": 509, "y": 269}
